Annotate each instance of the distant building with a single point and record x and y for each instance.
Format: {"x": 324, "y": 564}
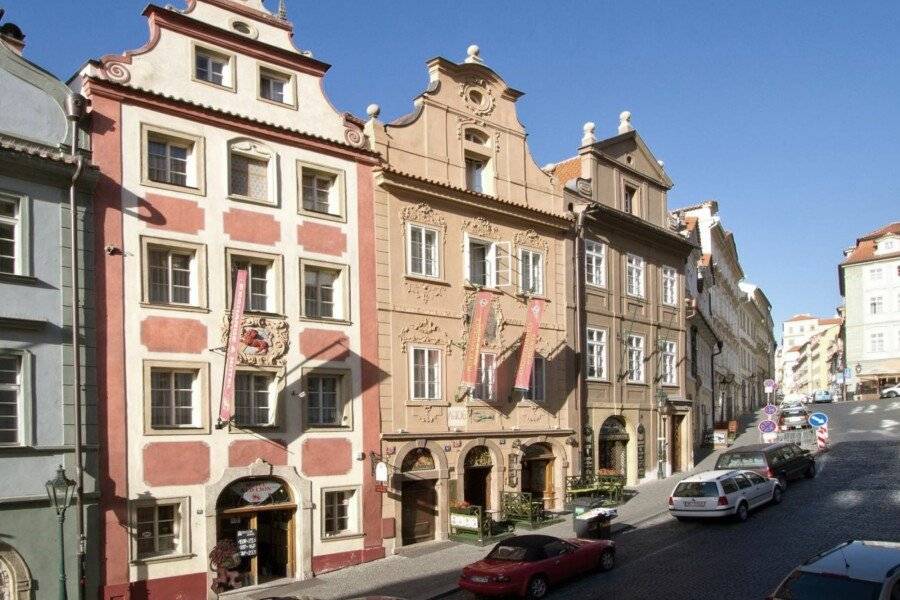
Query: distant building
{"x": 793, "y": 361}
{"x": 869, "y": 278}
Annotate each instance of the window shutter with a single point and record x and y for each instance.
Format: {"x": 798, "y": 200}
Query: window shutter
{"x": 503, "y": 263}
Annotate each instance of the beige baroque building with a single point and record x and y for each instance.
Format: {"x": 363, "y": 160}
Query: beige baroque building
{"x": 460, "y": 207}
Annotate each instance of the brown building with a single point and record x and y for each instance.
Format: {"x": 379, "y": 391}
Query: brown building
{"x": 461, "y": 207}
{"x": 630, "y": 302}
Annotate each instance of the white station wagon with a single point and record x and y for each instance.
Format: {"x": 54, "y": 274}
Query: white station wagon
{"x": 722, "y": 493}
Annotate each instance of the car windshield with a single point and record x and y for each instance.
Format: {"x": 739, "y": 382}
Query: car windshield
{"x": 820, "y": 586}
{"x": 696, "y": 489}
{"x": 501, "y": 552}
{"x": 741, "y": 460}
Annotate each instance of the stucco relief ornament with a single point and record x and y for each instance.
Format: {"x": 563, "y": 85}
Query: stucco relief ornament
{"x": 425, "y": 292}
{"x": 481, "y": 227}
{"x": 426, "y": 332}
{"x": 534, "y": 415}
{"x": 424, "y": 214}
{"x": 478, "y": 97}
{"x": 264, "y": 341}
{"x": 427, "y": 414}
{"x": 531, "y": 238}
{"x": 117, "y": 72}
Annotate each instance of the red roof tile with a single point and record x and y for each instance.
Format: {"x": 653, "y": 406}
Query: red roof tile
{"x": 800, "y": 317}
{"x": 567, "y": 170}
{"x": 865, "y": 246}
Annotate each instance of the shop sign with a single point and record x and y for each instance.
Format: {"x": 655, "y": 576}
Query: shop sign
{"x": 460, "y": 521}
{"x": 720, "y": 437}
{"x": 259, "y": 491}
{"x": 457, "y": 416}
{"x": 526, "y": 357}
{"x": 233, "y": 348}
{"x": 477, "y": 327}
{"x": 246, "y": 542}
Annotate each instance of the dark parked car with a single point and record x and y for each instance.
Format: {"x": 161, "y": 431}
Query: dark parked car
{"x": 782, "y": 461}
{"x": 527, "y": 565}
{"x": 857, "y": 570}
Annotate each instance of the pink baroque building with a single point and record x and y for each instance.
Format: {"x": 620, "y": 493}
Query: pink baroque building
{"x": 219, "y": 151}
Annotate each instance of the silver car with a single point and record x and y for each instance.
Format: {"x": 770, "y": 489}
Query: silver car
{"x": 722, "y": 493}
{"x": 793, "y": 417}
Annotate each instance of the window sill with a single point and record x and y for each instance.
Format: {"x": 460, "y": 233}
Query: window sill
{"x": 324, "y": 320}
{"x": 178, "y": 307}
{"x": 427, "y": 279}
{"x": 326, "y": 428}
{"x": 641, "y": 383}
{"x": 420, "y": 402}
{"x": 633, "y": 297}
{"x": 287, "y": 105}
{"x": 597, "y": 380}
{"x": 252, "y": 429}
{"x": 164, "y": 558}
{"x": 263, "y": 313}
{"x": 343, "y": 536}
{"x": 596, "y": 286}
{"x": 249, "y": 200}
{"x": 218, "y": 86}
{"x": 161, "y": 185}
{"x": 20, "y": 279}
{"x": 527, "y": 296}
{"x": 321, "y": 215}
{"x": 669, "y": 385}
{"x": 482, "y": 288}
{"x": 149, "y": 431}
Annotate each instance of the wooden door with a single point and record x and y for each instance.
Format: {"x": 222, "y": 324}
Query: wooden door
{"x": 477, "y": 484}
{"x": 419, "y": 501}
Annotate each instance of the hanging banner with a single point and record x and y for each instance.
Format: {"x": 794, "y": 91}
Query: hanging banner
{"x": 226, "y": 408}
{"x": 480, "y": 314}
{"x": 526, "y": 358}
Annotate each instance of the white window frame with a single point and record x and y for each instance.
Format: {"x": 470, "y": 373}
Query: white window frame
{"x": 353, "y": 512}
{"x": 875, "y": 274}
{"x": 228, "y": 67}
{"x": 172, "y": 391}
{"x": 337, "y": 204}
{"x": 170, "y": 253}
{"x": 199, "y": 397}
{"x": 475, "y": 177}
{"x": 635, "y": 264}
{"x": 486, "y": 378}
{"x": 272, "y": 264}
{"x": 22, "y": 388}
{"x": 596, "y": 340}
{"x": 537, "y": 390}
{"x": 436, "y": 259}
{"x": 340, "y": 293}
{"x": 21, "y": 232}
{"x": 876, "y": 305}
{"x": 879, "y": 337}
{"x": 530, "y": 254}
{"x": 195, "y": 179}
{"x": 270, "y": 393}
{"x": 634, "y": 358}
{"x": 595, "y": 263}
{"x": 181, "y": 527}
{"x": 343, "y": 418}
{"x": 433, "y": 359}
{"x": 252, "y": 150}
{"x": 289, "y": 92}
{"x": 197, "y": 252}
{"x": 669, "y": 362}
{"x": 669, "y": 286}
{"x": 496, "y": 275}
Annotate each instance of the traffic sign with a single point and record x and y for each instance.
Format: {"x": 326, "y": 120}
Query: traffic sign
{"x": 817, "y": 419}
{"x": 770, "y": 409}
{"x": 767, "y": 426}
{"x": 769, "y": 385}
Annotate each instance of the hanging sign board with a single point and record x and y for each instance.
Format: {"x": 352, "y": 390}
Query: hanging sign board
{"x": 255, "y": 492}
{"x": 381, "y": 472}
{"x": 526, "y": 356}
{"x": 226, "y": 408}
{"x": 477, "y": 327}
{"x": 246, "y": 542}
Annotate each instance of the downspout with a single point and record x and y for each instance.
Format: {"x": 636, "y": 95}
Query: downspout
{"x": 579, "y": 351}
{"x": 712, "y": 378}
{"x": 75, "y": 104}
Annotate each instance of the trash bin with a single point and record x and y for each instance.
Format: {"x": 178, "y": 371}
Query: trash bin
{"x": 591, "y": 518}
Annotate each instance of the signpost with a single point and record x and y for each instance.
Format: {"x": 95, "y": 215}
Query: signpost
{"x": 822, "y": 437}
{"x": 767, "y": 426}
{"x": 770, "y": 409}
{"x": 818, "y": 419}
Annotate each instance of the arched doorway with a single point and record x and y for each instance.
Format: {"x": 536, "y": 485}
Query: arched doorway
{"x": 477, "y": 477}
{"x": 255, "y": 519}
{"x": 537, "y": 472}
{"x": 612, "y": 445}
{"x": 418, "y": 497}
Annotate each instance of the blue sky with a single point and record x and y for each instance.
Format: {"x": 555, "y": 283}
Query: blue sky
{"x": 785, "y": 112}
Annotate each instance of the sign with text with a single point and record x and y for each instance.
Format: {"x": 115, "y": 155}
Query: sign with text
{"x": 526, "y": 356}
{"x": 226, "y": 407}
{"x": 472, "y": 360}
{"x": 246, "y": 542}
{"x": 460, "y": 521}
{"x": 255, "y": 492}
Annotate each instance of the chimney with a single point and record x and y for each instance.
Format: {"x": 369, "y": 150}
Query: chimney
{"x": 12, "y": 36}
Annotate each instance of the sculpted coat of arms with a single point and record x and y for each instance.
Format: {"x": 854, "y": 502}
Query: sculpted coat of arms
{"x": 264, "y": 341}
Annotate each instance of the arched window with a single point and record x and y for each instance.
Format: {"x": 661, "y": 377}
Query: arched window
{"x": 419, "y": 459}
{"x": 612, "y": 445}
{"x": 476, "y": 137}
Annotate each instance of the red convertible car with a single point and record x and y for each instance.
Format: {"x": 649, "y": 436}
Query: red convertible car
{"x": 527, "y": 565}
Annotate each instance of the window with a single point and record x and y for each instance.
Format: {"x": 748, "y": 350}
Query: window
{"x": 485, "y": 389}
{"x": 172, "y": 399}
{"x": 10, "y": 235}
{"x": 263, "y": 291}
{"x": 10, "y": 399}
{"x": 669, "y": 360}
{"x": 274, "y": 86}
{"x": 595, "y": 263}
{"x": 212, "y": 67}
{"x": 538, "y": 374}
{"x": 634, "y": 273}
{"x": 426, "y": 374}
{"x": 170, "y": 275}
{"x": 172, "y": 160}
{"x": 487, "y": 263}
{"x": 635, "y": 357}
{"x": 729, "y": 486}
{"x": 249, "y": 177}
{"x": 876, "y": 305}
{"x": 670, "y": 289}
{"x": 158, "y": 528}
{"x": 596, "y": 353}
{"x": 628, "y": 199}
{"x": 322, "y": 399}
{"x": 340, "y": 514}
{"x": 422, "y": 251}
{"x": 875, "y": 273}
{"x": 321, "y": 191}
{"x": 531, "y": 264}
{"x": 254, "y": 399}
{"x": 876, "y": 342}
{"x": 475, "y": 169}
{"x": 323, "y": 292}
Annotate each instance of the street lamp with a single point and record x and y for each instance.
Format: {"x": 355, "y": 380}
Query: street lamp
{"x": 661, "y": 399}
{"x": 60, "y": 491}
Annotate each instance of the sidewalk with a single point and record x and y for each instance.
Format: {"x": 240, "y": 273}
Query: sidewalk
{"x": 431, "y": 570}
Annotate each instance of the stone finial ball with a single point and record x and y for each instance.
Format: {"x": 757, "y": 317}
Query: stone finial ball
{"x": 373, "y": 110}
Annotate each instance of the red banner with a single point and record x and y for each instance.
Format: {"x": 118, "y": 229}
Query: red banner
{"x": 526, "y": 358}
{"x": 480, "y": 314}
{"x": 226, "y": 408}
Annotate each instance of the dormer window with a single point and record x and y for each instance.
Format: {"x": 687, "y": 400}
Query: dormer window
{"x": 213, "y": 67}
{"x": 277, "y": 87}
{"x": 477, "y": 161}
{"x": 628, "y": 199}
{"x": 475, "y": 174}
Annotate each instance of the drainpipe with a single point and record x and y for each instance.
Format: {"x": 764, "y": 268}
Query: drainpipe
{"x": 75, "y": 104}
{"x": 579, "y": 387}
{"x": 712, "y": 378}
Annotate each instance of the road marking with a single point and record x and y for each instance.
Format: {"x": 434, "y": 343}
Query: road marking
{"x": 893, "y": 406}
{"x": 856, "y": 410}
{"x": 889, "y": 424}
{"x": 848, "y": 498}
{"x": 871, "y": 409}
{"x": 663, "y": 549}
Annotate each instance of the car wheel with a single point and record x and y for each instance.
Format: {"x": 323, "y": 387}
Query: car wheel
{"x": 537, "y": 588}
{"x": 742, "y": 512}
{"x": 776, "y": 495}
{"x": 892, "y": 394}
{"x": 810, "y": 471}
{"x": 607, "y": 561}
